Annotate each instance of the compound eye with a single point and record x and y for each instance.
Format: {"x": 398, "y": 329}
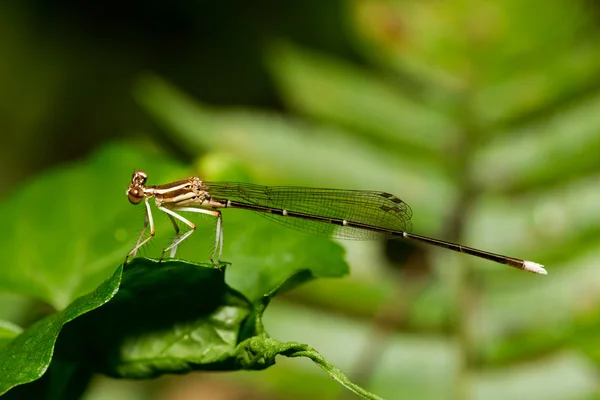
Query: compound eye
{"x": 139, "y": 177}
{"x": 135, "y": 195}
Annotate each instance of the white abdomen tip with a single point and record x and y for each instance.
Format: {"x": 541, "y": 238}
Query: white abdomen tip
{"x": 534, "y": 267}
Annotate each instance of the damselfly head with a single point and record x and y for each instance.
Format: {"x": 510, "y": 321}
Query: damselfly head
{"x": 135, "y": 192}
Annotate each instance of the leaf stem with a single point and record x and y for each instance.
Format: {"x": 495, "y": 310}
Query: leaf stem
{"x": 333, "y": 371}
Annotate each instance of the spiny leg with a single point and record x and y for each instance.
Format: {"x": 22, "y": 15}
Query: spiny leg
{"x": 148, "y": 220}
{"x": 178, "y": 239}
{"x": 220, "y": 239}
{"x": 143, "y": 231}
{"x": 174, "y": 249}
{"x": 218, "y": 242}
{"x": 218, "y": 235}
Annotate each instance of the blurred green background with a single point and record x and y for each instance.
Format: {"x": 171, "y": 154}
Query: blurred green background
{"x": 484, "y": 116}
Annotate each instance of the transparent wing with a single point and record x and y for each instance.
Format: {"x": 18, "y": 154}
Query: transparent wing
{"x": 378, "y": 209}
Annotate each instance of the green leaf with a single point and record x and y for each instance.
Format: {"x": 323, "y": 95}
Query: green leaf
{"x": 27, "y": 357}
{"x": 167, "y": 317}
{"x": 61, "y": 249}
{"x": 8, "y": 331}
{"x": 264, "y": 255}
{"x": 173, "y": 317}
{"x": 64, "y": 381}
{"x": 259, "y": 352}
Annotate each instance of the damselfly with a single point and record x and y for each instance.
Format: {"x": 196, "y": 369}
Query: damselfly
{"x": 336, "y": 213}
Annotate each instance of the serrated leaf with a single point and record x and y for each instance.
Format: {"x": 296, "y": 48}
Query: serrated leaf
{"x": 543, "y": 153}
{"x": 336, "y": 91}
{"x": 545, "y": 86}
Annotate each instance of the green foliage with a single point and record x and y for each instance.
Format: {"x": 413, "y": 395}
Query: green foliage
{"x": 482, "y": 115}
{"x": 71, "y": 226}
{"x": 169, "y": 317}
{"x": 149, "y": 318}
{"x": 8, "y": 331}
{"x": 27, "y": 357}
